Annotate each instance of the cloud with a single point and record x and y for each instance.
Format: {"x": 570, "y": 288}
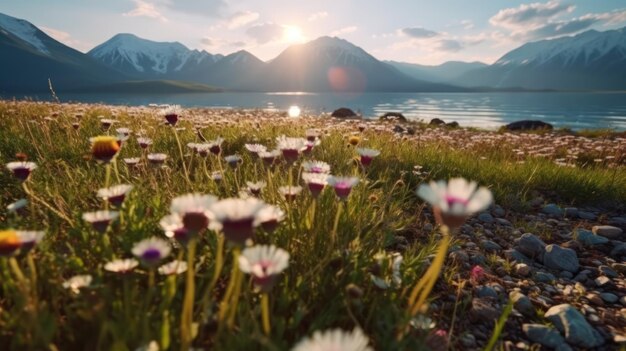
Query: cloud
{"x": 66, "y": 38}
{"x": 467, "y": 24}
{"x": 344, "y": 30}
{"x": 574, "y": 25}
{"x": 240, "y": 19}
{"x": 448, "y": 45}
{"x": 531, "y": 14}
{"x": 209, "y": 8}
{"x": 418, "y": 32}
{"x": 265, "y": 32}
{"x": 215, "y": 43}
{"x": 318, "y": 16}
{"x": 145, "y": 9}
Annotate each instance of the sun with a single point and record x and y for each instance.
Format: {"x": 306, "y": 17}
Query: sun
{"x": 293, "y": 34}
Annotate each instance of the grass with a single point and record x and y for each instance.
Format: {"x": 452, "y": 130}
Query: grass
{"x": 316, "y": 291}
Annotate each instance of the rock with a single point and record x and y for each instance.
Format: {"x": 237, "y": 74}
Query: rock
{"x": 552, "y": 210}
{"x": 620, "y": 267}
{"x": 622, "y": 300}
{"x": 393, "y": 116}
{"x": 609, "y": 298}
{"x": 595, "y": 299}
{"x": 566, "y": 275}
{"x": 562, "y": 259}
{"x": 504, "y": 222}
{"x": 522, "y": 303}
{"x": 619, "y": 250}
{"x": 544, "y": 277}
{"x": 602, "y": 281}
{"x": 607, "y": 231}
{"x": 498, "y": 211}
{"x": 587, "y": 215}
{"x": 543, "y": 335}
{"x": 398, "y": 129}
{"x": 468, "y": 340}
{"x": 569, "y": 321}
{"x": 489, "y": 245}
{"x": 528, "y": 125}
{"x": 522, "y": 269}
{"x": 531, "y": 246}
{"x": 344, "y": 112}
{"x": 459, "y": 256}
{"x": 436, "y": 122}
{"x": 516, "y": 256}
{"x": 453, "y": 124}
{"x": 482, "y": 310}
{"x": 485, "y": 217}
{"x": 428, "y": 228}
{"x": 571, "y": 212}
{"x": 588, "y": 238}
{"x": 606, "y": 270}
{"x": 485, "y": 291}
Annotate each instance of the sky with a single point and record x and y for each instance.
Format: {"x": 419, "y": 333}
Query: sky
{"x": 416, "y": 31}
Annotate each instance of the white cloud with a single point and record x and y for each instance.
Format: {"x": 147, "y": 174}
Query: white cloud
{"x": 467, "y": 24}
{"x": 265, "y": 32}
{"x": 145, "y": 9}
{"x": 418, "y": 32}
{"x": 318, "y": 16}
{"x": 240, "y": 19}
{"x": 344, "y": 30}
{"x": 529, "y": 14}
{"x": 210, "y": 43}
{"x": 66, "y": 38}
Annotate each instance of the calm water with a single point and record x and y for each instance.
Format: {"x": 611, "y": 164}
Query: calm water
{"x": 485, "y": 110}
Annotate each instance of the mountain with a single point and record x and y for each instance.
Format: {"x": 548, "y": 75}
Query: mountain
{"x": 445, "y": 72}
{"x": 29, "y": 57}
{"x": 146, "y": 59}
{"x": 333, "y": 64}
{"x": 587, "y": 61}
{"x": 151, "y": 87}
{"x": 234, "y": 71}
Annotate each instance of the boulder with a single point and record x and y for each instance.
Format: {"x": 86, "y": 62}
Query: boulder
{"x": 393, "y": 116}
{"x": 562, "y": 259}
{"x": 570, "y": 322}
{"x": 436, "y": 122}
{"x": 607, "y": 231}
{"x": 344, "y": 112}
{"x": 453, "y": 124}
{"x": 528, "y": 125}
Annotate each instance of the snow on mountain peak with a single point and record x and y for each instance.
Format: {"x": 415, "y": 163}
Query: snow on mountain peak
{"x": 23, "y": 30}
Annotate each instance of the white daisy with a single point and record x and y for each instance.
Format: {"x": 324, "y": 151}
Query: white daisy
{"x": 335, "y": 340}
{"x": 174, "y": 267}
{"x": 264, "y": 263}
{"x": 77, "y": 282}
{"x": 121, "y": 265}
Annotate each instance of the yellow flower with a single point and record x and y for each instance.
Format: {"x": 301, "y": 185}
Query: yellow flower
{"x": 9, "y": 242}
{"x": 104, "y": 148}
{"x": 354, "y": 140}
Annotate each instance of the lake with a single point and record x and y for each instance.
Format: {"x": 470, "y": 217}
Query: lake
{"x": 484, "y": 110}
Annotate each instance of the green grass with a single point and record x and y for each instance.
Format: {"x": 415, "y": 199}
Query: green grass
{"x": 120, "y": 312}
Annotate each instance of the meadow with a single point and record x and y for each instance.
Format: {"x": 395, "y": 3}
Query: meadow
{"x": 351, "y": 258}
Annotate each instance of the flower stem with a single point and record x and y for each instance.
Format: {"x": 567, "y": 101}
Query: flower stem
{"x": 182, "y": 157}
{"x": 265, "y": 312}
{"x": 336, "y": 225}
{"x": 186, "y": 318}
{"x": 219, "y": 263}
{"x": 231, "y": 285}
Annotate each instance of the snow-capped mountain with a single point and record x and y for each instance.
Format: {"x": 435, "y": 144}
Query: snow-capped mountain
{"x": 148, "y": 59}
{"x": 233, "y": 71}
{"x": 29, "y": 57}
{"x": 445, "y": 72}
{"x": 333, "y": 64}
{"x": 589, "y": 60}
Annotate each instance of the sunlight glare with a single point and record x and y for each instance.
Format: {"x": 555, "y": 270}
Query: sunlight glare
{"x": 294, "y": 111}
{"x": 293, "y": 34}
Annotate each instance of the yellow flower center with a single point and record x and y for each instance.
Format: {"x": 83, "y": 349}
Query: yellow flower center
{"x": 9, "y": 242}
{"x": 104, "y": 148}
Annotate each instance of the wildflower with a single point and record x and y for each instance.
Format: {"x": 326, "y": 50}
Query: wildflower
{"x": 104, "y": 148}
{"x": 264, "y": 263}
{"x": 75, "y": 125}
{"x": 477, "y": 274}
{"x": 116, "y": 194}
{"x": 77, "y": 282}
{"x": 290, "y": 192}
{"x": 312, "y": 134}
{"x": 237, "y": 217}
{"x": 100, "y": 220}
{"x": 194, "y": 211}
{"x": 21, "y": 169}
{"x": 174, "y": 267}
{"x": 105, "y": 123}
{"x": 123, "y": 131}
{"x": 269, "y": 217}
{"x": 121, "y": 266}
{"x": 121, "y": 138}
{"x": 343, "y": 185}
{"x": 144, "y": 142}
{"x": 171, "y": 114}
{"x": 255, "y": 149}
{"x": 255, "y": 188}
{"x": 367, "y": 155}
{"x": 152, "y": 346}
{"x": 335, "y": 339}
{"x": 315, "y": 182}
{"x": 455, "y": 201}
{"x": 157, "y": 159}
{"x": 316, "y": 167}
{"x": 215, "y": 146}
{"x": 132, "y": 161}
{"x": 151, "y": 251}
{"x": 233, "y": 160}
{"x": 290, "y": 147}
{"x": 354, "y": 140}
{"x": 387, "y": 263}
{"x": 422, "y": 322}
{"x": 200, "y": 149}
{"x": 18, "y": 206}
{"x": 9, "y": 242}
{"x": 29, "y": 238}
{"x": 269, "y": 158}
{"x": 217, "y": 176}
{"x": 174, "y": 228}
